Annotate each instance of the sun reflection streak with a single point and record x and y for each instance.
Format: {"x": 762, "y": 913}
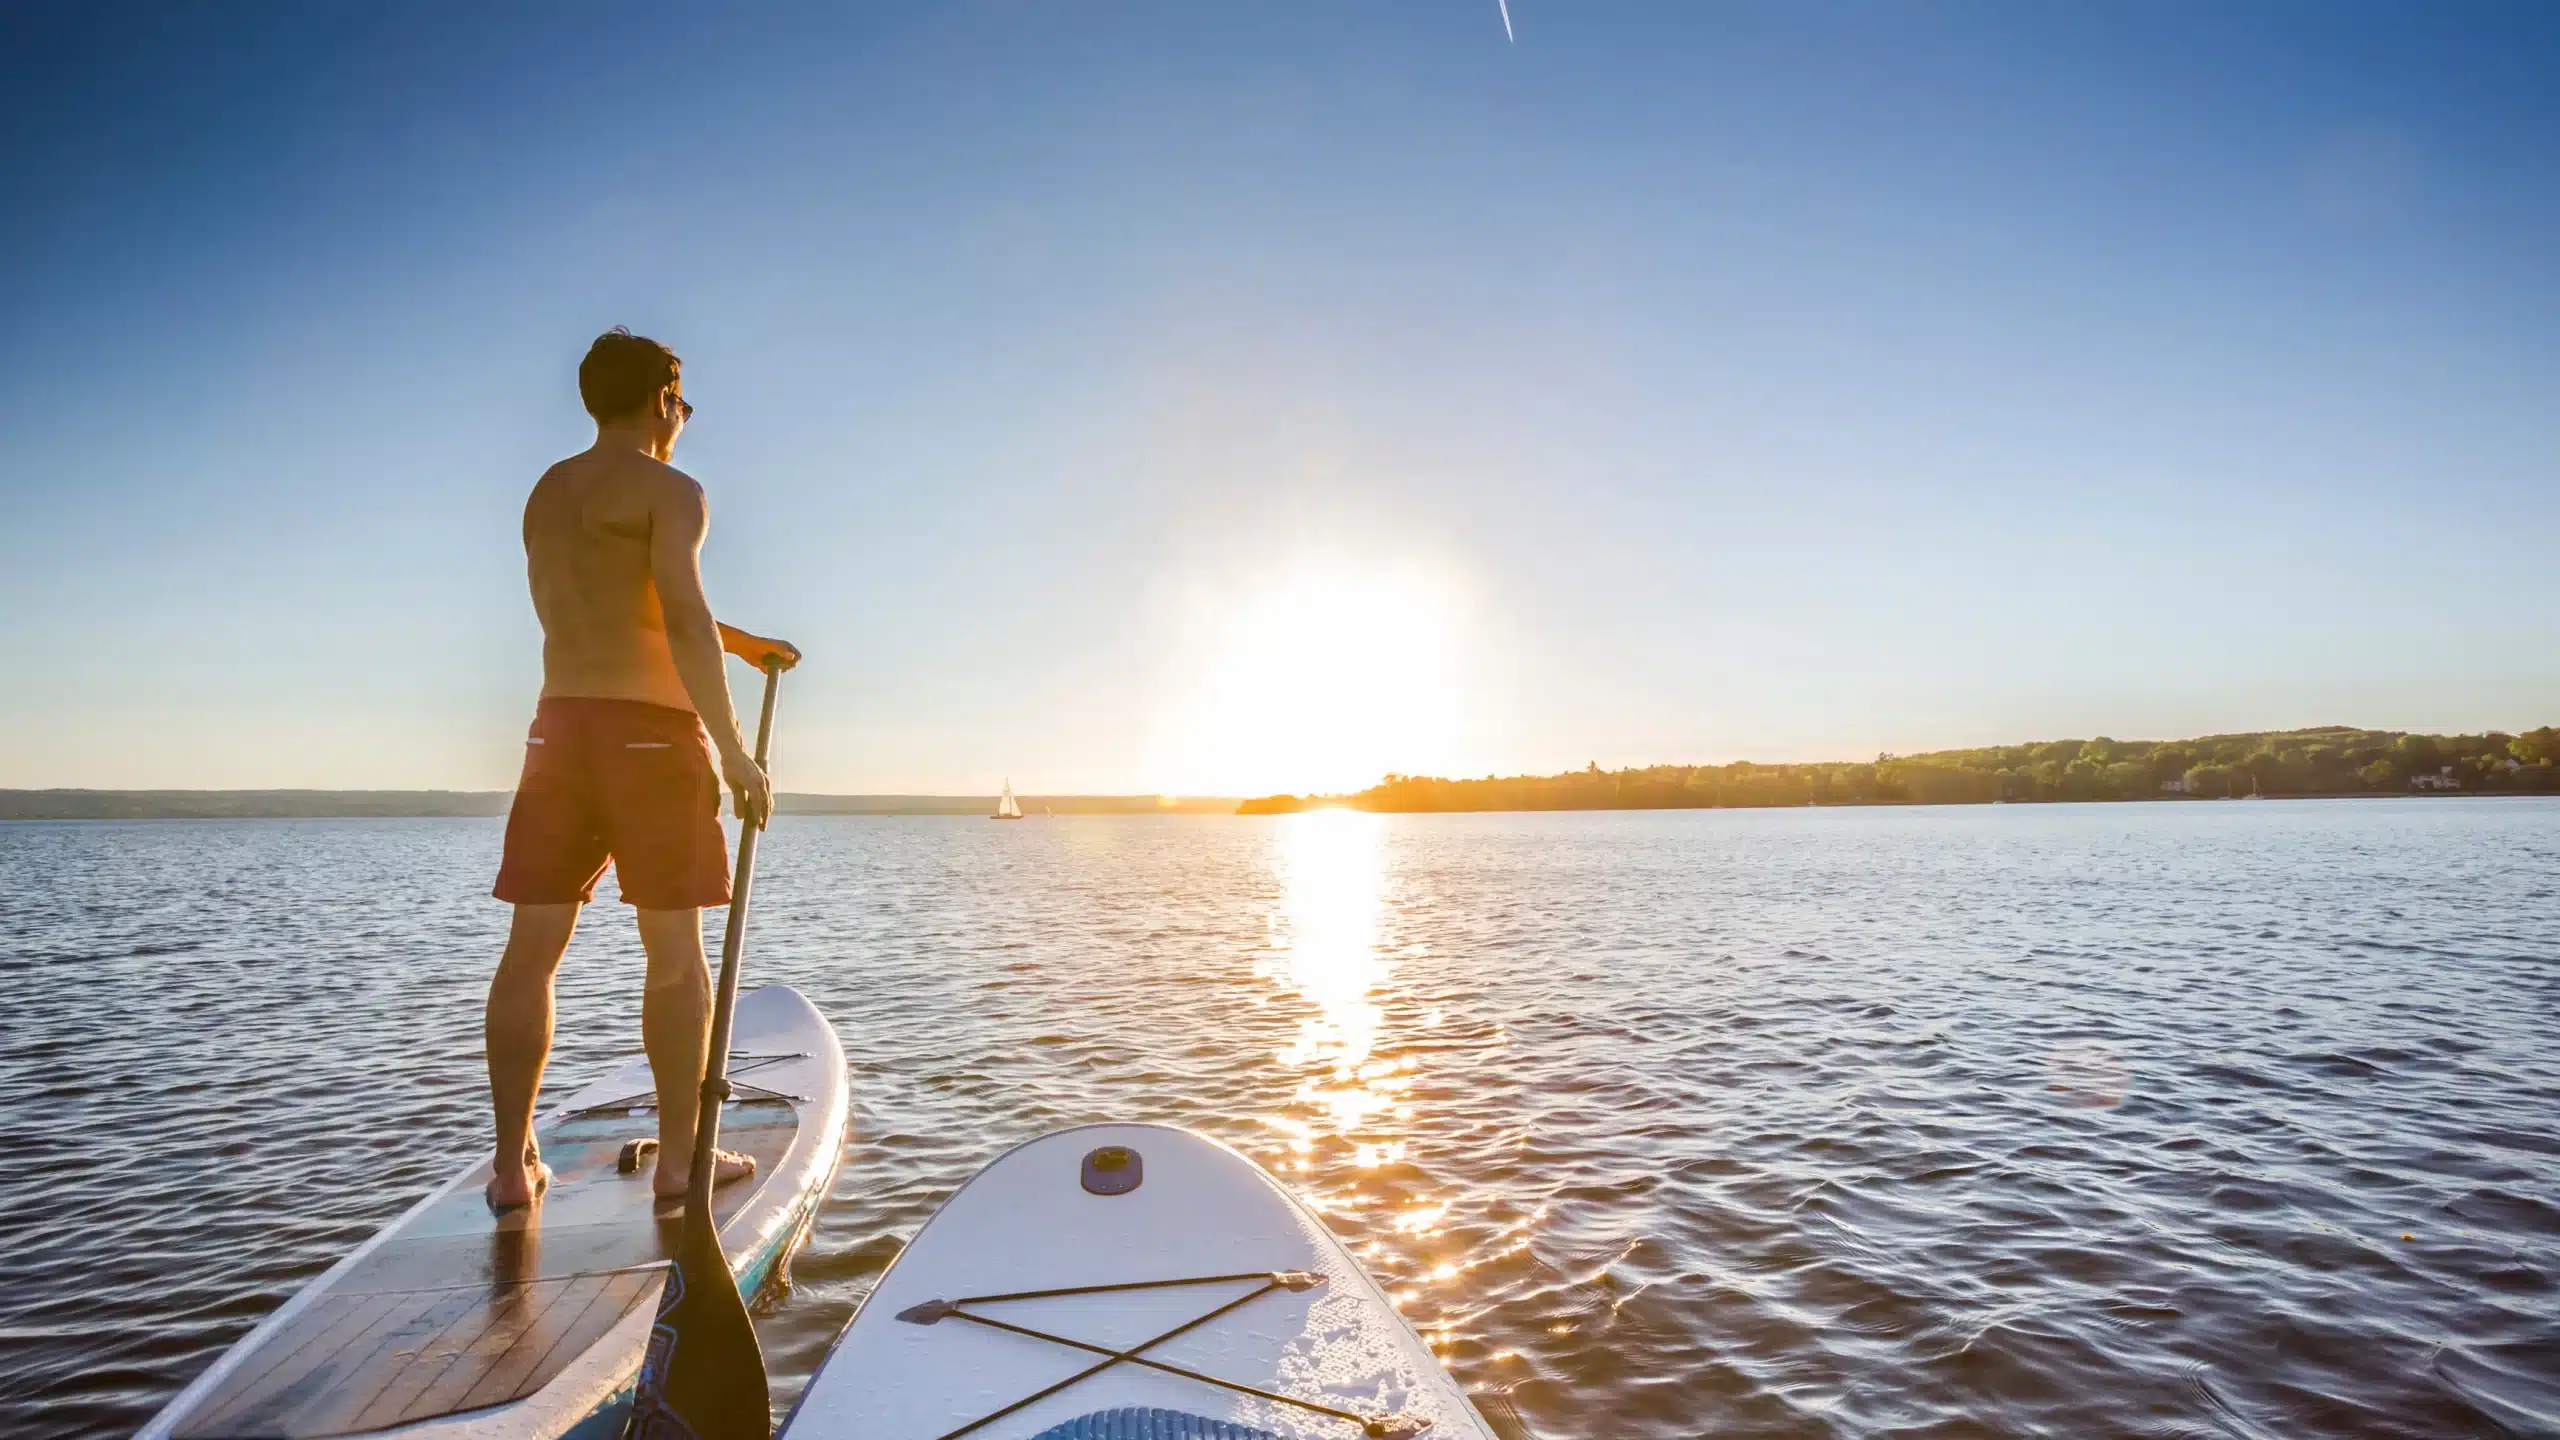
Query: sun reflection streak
{"x": 1330, "y": 946}
{"x": 1325, "y": 946}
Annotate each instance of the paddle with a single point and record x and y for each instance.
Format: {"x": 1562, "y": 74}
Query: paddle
{"x": 703, "y": 1377}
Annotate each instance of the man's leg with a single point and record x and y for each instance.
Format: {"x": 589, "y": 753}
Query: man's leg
{"x": 675, "y": 1026}
{"x": 518, "y": 1031}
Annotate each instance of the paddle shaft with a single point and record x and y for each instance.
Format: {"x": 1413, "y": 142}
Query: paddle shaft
{"x": 724, "y": 1001}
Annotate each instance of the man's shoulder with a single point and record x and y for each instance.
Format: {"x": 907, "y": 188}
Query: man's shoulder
{"x": 624, "y": 470}
{"x": 670, "y": 489}
{"x": 656, "y": 476}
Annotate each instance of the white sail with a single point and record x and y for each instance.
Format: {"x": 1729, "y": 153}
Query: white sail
{"x": 1007, "y": 808}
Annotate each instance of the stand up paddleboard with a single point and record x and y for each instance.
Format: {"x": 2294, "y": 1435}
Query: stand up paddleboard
{"x": 1128, "y": 1282}
{"x": 459, "y": 1325}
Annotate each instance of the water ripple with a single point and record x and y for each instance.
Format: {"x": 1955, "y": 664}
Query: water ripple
{"x": 2172, "y": 1119}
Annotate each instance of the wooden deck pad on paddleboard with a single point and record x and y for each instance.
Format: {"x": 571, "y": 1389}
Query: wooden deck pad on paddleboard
{"x": 455, "y": 1312}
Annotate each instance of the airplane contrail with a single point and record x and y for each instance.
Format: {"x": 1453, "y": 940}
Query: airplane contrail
{"x": 1506, "y": 21}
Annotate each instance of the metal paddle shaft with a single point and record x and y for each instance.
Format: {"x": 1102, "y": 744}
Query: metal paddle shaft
{"x": 703, "y": 1376}
{"x": 724, "y": 1004}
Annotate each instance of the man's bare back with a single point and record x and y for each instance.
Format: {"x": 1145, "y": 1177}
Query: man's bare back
{"x": 612, "y": 542}
{"x": 587, "y": 533}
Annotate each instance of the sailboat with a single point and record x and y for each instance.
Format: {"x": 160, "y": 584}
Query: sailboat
{"x": 1007, "y": 808}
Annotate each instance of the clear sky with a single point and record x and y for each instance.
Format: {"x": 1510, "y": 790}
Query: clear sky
{"x": 1223, "y": 398}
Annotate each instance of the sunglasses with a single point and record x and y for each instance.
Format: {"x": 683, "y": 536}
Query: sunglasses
{"x": 684, "y": 407}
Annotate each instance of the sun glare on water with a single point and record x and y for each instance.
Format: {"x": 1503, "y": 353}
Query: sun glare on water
{"x": 1326, "y": 947}
{"x": 1322, "y": 683}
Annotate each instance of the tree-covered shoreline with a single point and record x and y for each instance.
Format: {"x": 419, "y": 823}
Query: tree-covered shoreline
{"x": 2328, "y": 760}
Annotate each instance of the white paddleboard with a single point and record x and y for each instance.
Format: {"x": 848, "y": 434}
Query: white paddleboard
{"x": 459, "y": 1325}
{"x": 1111, "y": 1206}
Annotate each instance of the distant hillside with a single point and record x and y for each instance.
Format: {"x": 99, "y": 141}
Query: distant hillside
{"x": 327, "y": 804}
{"x": 2329, "y": 760}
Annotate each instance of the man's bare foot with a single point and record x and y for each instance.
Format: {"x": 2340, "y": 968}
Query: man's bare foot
{"x": 674, "y": 1175}
{"x": 514, "y": 1187}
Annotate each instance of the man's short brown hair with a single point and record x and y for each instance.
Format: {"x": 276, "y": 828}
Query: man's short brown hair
{"x": 623, "y": 372}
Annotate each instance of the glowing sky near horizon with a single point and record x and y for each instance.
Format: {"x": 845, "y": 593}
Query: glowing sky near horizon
{"x": 1166, "y": 398}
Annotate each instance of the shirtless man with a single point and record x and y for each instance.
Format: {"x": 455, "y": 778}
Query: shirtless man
{"x": 618, "y": 766}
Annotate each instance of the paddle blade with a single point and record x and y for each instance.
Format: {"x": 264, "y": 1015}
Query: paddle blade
{"x": 703, "y": 1377}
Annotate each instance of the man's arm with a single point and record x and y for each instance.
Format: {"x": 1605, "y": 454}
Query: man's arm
{"x": 678, "y": 520}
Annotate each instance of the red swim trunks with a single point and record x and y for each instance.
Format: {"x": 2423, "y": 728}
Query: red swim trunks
{"x": 620, "y": 781}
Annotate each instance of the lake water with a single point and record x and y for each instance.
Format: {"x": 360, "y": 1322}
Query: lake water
{"x": 2236, "y": 1119}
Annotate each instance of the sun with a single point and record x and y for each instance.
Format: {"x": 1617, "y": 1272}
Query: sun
{"x": 1321, "y": 683}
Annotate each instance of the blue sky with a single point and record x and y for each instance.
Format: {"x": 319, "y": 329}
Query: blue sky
{"x": 1192, "y": 397}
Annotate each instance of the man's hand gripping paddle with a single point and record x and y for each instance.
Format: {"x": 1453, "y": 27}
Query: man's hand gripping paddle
{"x": 703, "y": 1377}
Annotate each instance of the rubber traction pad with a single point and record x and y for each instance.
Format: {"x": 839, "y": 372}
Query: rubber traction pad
{"x": 1138, "y": 1424}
